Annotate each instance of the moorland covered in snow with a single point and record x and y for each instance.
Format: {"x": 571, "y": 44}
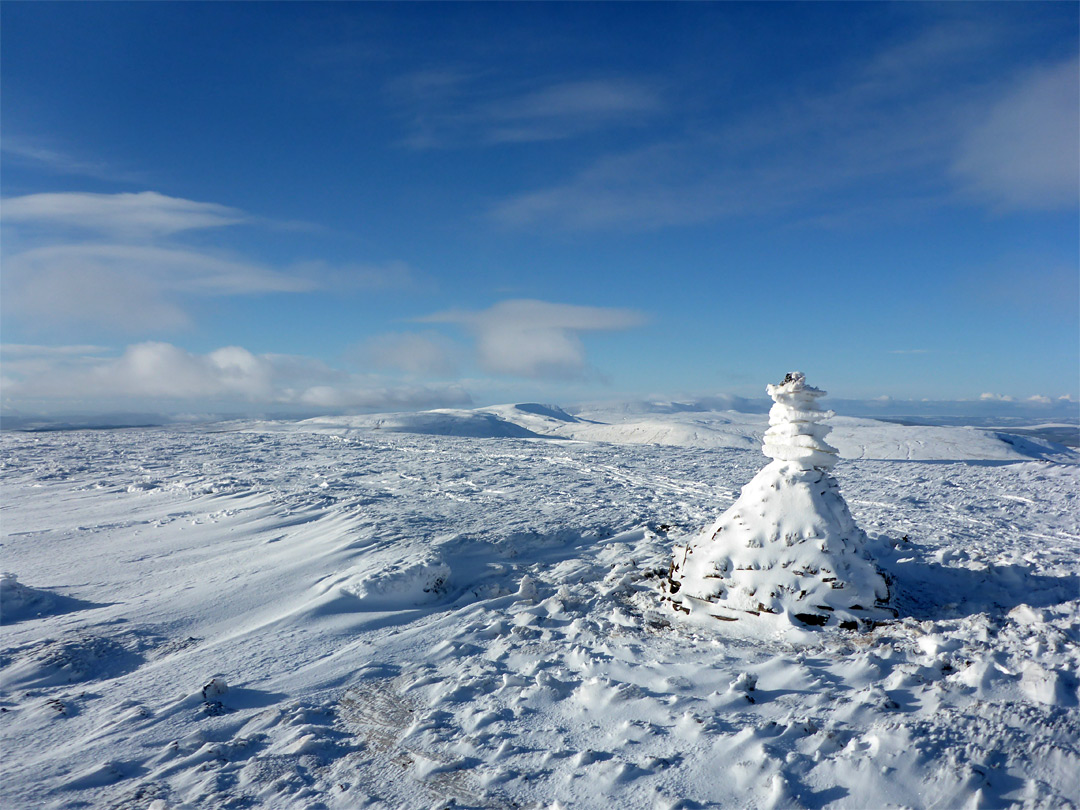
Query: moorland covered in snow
{"x": 464, "y": 608}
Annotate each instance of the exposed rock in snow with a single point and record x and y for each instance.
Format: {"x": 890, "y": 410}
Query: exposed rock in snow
{"x": 788, "y": 545}
{"x": 215, "y": 688}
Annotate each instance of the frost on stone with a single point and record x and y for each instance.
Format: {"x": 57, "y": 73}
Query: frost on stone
{"x": 788, "y": 545}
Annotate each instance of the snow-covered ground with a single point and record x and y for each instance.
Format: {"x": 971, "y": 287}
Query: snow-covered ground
{"x": 461, "y": 608}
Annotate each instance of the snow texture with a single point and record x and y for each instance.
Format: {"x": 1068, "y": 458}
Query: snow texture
{"x": 397, "y": 620}
{"x": 788, "y": 546}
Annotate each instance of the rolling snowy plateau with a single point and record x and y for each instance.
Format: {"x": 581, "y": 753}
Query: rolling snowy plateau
{"x": 465, "y": 608}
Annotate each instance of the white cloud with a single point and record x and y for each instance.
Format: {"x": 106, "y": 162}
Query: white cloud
{"x": 162, "y": 370}
{"x": 127, "y": 287}
{"x": 1039, "y": 399}
{"x": 158, "y": 374}
{"x": 990, "y": 397}
{"x": 1024, "y": 152}
{"x": 536, "y": 338}
{"x": 134, "y": 275}
{"x": 143, "y": 214}
{"x": 416, "y": 353}
{"x": 177, "y": 268}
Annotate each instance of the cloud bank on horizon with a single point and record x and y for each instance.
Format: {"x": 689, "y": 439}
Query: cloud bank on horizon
{"x": 480, "y": 210}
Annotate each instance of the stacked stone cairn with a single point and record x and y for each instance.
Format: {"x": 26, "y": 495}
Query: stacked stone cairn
{"x": 788, "y": 546}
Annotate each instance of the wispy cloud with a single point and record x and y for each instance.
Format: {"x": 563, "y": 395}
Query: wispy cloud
{"x": 811, "y": 151}
{"x": 1023, "y": 152}
{"x": 128, "y": 287}
{"x": 371, "y": 276}
{"x": 155, "y": 374}
{"x": 114, "y": 261}
{"x": 21, "y": 150}
{"x": 140, "y": 215}
{"x": 450, "y": 108}
{"x": 947, "y": 45}
{"x": 536, "y": 338}
{"x": 882, "y": 138}
{"x": 567, "y": 109}
{"x": 648, "y": 187}
{"x": 21, "y": 361}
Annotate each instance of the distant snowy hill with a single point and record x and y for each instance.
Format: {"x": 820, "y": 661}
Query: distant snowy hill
{"x": 681, "y": 426}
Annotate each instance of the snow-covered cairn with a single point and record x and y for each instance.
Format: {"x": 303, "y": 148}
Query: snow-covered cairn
{"x": 788, "y": 545}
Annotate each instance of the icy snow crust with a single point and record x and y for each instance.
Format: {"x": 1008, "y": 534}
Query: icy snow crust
{"x": 317, "y": 616}
{"x": 788, "y": 546}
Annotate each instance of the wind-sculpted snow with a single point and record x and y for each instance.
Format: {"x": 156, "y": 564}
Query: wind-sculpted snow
{"x": 399, "y": 620}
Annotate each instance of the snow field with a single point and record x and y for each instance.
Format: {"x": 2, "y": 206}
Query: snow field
{"x": 423, "y": 621}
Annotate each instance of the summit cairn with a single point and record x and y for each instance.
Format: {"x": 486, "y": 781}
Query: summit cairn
{"x": 788, "y": 545}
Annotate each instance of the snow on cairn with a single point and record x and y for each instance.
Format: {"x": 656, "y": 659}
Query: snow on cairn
{"x": 788, "y": 545}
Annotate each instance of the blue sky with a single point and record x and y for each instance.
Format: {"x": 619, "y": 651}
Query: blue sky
{"x": 318, "y": 207}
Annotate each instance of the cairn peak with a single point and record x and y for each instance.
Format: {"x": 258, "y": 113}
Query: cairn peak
{"x": 795, "y": 431}
{"x": 789, "y": 544}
